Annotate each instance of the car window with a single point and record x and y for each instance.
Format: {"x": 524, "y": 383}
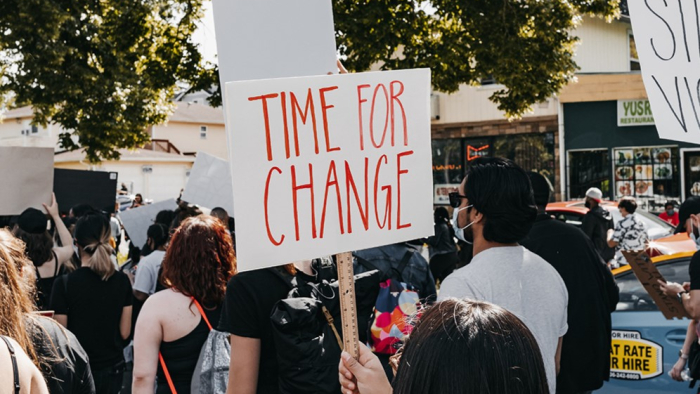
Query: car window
{"x": 568, "y": 217}
{"x": 633, "y": 297}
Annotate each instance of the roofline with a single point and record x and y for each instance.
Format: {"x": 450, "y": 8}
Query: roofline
{"x": 184, "y": 159}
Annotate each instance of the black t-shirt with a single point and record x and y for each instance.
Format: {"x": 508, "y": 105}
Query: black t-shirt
{"x": 593, "y": 296}
{"x": 250, "y": 297}
{"x": 694, "y": 271}
{"x": 94, "y": 310}
{"x": 68, "y": 371}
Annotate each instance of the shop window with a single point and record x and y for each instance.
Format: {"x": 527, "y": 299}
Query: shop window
{"x": 589, "y": 169}
{"x": 634, "y": 56}
{"x": 532, "y": 152}
{"x": 650, "y": 174}
{"x": 448, "y": 168}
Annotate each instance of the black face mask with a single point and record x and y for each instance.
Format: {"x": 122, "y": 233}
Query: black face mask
{"x": 587, "y": 204}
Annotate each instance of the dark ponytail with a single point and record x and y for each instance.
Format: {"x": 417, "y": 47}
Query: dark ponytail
{"x": 92, "y": 233}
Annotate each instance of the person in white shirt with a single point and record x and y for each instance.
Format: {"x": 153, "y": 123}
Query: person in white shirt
{"x": 149, "y": 266}
{"x": 494, "y": 209}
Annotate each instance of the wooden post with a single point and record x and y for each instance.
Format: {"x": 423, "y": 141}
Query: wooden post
{"x": 348, "y": 307}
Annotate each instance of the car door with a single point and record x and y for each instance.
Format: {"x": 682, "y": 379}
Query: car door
{"x": 645, "y": 344}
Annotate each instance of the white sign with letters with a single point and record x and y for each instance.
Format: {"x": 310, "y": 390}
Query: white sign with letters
{"x": 667, "y": 37}
{"x": 329, "y": 164}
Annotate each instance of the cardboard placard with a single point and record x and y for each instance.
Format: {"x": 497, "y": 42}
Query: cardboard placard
{"x": 137, "y": 221}
{"x": 645, "y": 270}
{"x": 26, "y": 178}
{"x": 668, "y": 44}
{"x": 96, "y": 188}
{"x": 274, "y": 38}
{"x": 209, "y": 184}
{"x": 329, "y": 164}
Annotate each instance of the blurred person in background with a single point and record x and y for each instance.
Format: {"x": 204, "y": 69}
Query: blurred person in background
{"x": 669, "y": 214}
{"x": 596, "y": 223}
{"x": 443, "y": 250}
{"x": 593, "y": 295}
{"x": 94, "y": 302}
{"x": 50, "y": 261}
{"x": 630, "y": 233}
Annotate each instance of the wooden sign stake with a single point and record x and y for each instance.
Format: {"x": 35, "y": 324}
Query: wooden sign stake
{"x": 348, "y": 308}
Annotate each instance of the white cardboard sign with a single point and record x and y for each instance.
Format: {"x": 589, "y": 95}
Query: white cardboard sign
{"x": 667, "y": 37}
{"x": 209, "y": 184}
{"x": 26, "y": 178}
{"x": 137, "y": 221}
{"x": 329, "y": 164}
{"x": 259, "y": 39}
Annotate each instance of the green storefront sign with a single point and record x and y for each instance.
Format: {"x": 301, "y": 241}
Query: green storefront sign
{"x": 634, "y": 113}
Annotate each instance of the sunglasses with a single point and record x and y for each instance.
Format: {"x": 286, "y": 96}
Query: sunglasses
{"x": 456, "y": 199}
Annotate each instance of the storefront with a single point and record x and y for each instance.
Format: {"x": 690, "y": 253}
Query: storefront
{"x": 531, "y": 143}
{"x": 614, "y": 145}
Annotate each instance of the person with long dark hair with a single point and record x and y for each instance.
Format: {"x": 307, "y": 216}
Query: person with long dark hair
{"x": 457, "y": 347}
{"x": 443, "y": 250}
{"x": 94, "y": 302}
{"x": 61, "y": 358}
{"x": 174, "y": 323}
{"x": 50, "y": 260}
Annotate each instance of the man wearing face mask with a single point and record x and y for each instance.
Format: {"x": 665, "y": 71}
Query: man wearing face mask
{"x": 669, "y": 214}
{"x": 494, "y": 209}
{"x": 596, "y": 224}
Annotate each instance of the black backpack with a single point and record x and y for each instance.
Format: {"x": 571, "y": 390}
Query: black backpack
{"x": 308, "y": 332}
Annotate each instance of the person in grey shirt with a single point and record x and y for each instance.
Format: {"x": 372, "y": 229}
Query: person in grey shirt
{"x": 494, "y": 209}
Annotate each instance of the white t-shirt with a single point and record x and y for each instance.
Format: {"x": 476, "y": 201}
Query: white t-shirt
{"x": 522, "y": 283}
{"x": 147, "y": 272}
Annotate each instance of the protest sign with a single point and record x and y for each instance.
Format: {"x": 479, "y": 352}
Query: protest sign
{"x": 647, "y": 274}
{"x": 329, "y": 164}
{"x": 95, "y": 188}
{"x": 136, "y": 221}
{"x": 667, "y": 38}
{"x": 274, "y": 38}
{"x": 26, "y": 179}
{"x": 209, "y": 184}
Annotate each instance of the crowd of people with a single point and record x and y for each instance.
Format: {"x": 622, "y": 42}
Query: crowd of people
{"x": 529, "y": 311}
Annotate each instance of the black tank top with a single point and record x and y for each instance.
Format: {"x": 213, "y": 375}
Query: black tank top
{"x": 181, "y": 356}
{"x": 45, "y": 285}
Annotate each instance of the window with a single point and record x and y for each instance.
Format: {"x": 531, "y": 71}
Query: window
{"x": 589, "y": 169}
{"x": 633, "y": 297}
{"x": 532, "y": 152}
{"x": 203, "y": 132}
{"x": 650, "y": 174}
{"x": 634, "y": 56}
{"x": 447, "y": 161}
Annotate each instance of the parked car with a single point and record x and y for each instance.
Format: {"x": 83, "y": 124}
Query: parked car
{"x": 645, "y": 344}
{"x": 662, "y": 239}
